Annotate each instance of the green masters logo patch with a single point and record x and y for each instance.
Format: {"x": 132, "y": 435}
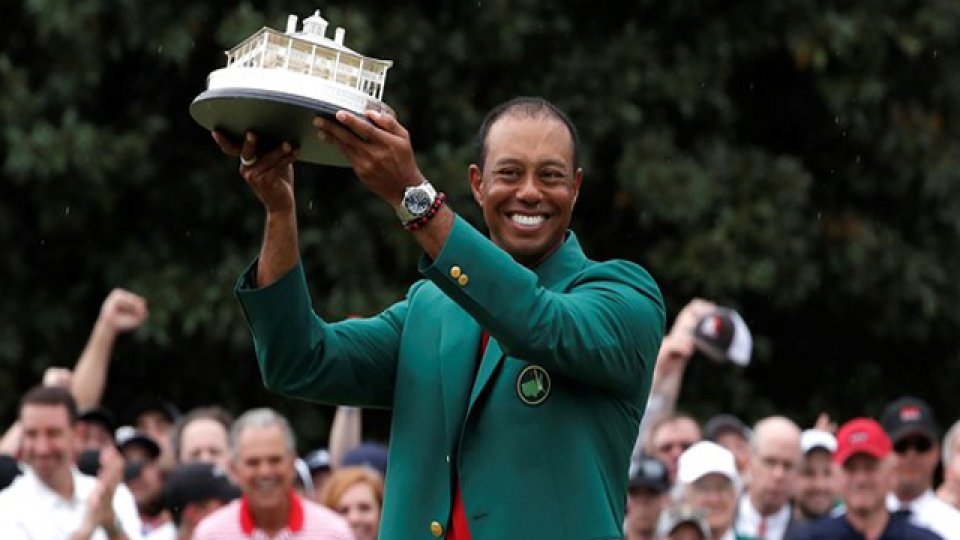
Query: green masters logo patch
{"x": 533, "y": 385}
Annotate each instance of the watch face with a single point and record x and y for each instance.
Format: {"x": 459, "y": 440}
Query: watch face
{"x": 417, "y": 202}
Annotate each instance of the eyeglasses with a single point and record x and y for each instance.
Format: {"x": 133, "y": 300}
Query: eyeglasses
{"x": 921, "y": 444}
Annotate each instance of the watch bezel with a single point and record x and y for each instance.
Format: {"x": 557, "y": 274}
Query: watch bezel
{"x": 424, "y": 194}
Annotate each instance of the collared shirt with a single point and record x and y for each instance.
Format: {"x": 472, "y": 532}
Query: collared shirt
{"x": 748, "y": 521}
{"x": 167, "y": 531}
{"x": 30, "y": 510}
{"x": 930, "y": 512}
{"x": 838, "y": 528}
{"x": 306, "y": 520}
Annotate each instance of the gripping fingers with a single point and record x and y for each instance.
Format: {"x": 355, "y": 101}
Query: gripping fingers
{"x": 227, "y": 146}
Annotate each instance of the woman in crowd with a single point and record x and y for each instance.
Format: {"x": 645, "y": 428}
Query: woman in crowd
{"x": 357, "y": 494}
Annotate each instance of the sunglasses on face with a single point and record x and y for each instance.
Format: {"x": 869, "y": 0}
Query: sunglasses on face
{"x": 921, "y": 444}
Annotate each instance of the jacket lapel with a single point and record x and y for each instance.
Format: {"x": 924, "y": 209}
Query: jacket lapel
{"x": 459, "y": 344}
{"x": 491, "y": 359}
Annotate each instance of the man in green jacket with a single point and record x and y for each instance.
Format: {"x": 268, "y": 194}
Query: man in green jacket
{"x": 517, "y": 371}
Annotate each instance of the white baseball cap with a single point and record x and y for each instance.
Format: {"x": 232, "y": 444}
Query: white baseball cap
{"x": 703, "y": 458}
{"x": 815, "y": 438}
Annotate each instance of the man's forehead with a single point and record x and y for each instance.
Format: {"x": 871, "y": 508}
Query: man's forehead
{"x": 258, "y": 438}
{"x": 43, "y": 413}
{"x": 536, "y": 131}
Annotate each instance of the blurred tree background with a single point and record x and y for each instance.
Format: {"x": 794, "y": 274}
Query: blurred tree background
{"x": 797, "y": 160}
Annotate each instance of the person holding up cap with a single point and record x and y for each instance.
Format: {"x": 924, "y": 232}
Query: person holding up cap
{"x": 648, "y": 493}
{"x": 915, "y": 433}
{"x": 863, "y": 455}
{"x": 816, "y": 493}
{"x": 707, "y": 478}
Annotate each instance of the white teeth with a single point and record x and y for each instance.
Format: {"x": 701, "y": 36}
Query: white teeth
{"x": 527, "y": 220}
{"x": 265, "y": 485}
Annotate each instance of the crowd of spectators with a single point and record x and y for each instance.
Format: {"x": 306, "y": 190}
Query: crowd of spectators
{"x": 722, "y": 480}
{"x": 69, "y": 469}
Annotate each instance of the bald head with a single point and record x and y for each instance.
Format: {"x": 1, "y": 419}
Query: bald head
{"x": 774, "y": 429}
{"x": 774, "y": 461}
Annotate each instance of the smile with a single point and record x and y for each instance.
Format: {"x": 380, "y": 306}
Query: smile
{"x": 527, "y": 220}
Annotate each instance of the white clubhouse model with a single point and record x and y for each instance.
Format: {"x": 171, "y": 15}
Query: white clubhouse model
{"x": 275, "y": 82}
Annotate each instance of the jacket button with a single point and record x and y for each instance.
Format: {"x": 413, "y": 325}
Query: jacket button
{"x": 455, "y": 271}
{"x": 436, "y": 529}
{"x": 463, "y": 280}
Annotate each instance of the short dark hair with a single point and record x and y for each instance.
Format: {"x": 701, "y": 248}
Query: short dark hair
{"x": 51, "y": 396}
{"x": 530, "y": 107}
{"x": 214, "y": 412}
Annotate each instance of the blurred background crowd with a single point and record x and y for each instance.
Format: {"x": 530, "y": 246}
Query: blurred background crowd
{"x": 164, "y": 471}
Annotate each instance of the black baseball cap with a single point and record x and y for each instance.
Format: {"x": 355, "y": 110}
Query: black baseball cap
{"x": 649, "y": 473}
{"x": 196, "y": 482}
{"x": 127, "y": 436}
{"x": 154, "y": 403}
{"x": 909, "y": 415}
{"x": 723, "y": 336}
{"x": 99, "y": 415}
{"x": 371, "y": 455}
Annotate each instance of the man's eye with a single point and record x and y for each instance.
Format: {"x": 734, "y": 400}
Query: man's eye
{"x": 508, "y": 173}
{"x": 552, "y": 176}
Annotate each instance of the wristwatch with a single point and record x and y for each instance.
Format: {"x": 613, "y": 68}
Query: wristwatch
{"x": 416, "y": 202}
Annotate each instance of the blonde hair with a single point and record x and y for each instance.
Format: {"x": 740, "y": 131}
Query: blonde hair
{"x": 344, "y": 478}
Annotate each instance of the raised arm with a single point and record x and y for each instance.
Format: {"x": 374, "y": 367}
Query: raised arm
{"x": 270, "y": 176}
{"x": 122, "y": 311}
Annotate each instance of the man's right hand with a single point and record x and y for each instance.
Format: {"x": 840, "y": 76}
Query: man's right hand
{"x": 269, "y": 175}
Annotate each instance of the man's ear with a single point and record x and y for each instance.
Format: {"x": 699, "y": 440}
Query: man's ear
{"x": 476, "y": 179}
{"x": 577, "y": 180}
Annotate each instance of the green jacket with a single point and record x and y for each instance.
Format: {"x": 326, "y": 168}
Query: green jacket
{"x": 539, "y": 434}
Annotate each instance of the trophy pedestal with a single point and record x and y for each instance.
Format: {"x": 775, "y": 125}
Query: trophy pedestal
{"x": 275, "y": 117}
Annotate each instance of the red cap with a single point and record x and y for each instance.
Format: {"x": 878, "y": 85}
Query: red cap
{"x": 861, "y": 435}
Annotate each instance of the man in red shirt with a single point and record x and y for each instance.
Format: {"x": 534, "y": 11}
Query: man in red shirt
{"x": 263, "y": 455}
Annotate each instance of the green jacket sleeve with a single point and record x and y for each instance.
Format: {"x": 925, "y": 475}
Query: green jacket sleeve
{"x": 604, "y": 328}
{"x": 352, "y": 362}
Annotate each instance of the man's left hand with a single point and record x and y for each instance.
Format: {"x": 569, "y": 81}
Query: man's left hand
{"x": 379, "y": 151}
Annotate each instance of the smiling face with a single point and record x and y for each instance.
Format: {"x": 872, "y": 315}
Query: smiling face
{"x": 263, "y": 466}
{"x": 527, "y": 185}
{"x": 48, "y": 441}
{"x": 360, "y": 507}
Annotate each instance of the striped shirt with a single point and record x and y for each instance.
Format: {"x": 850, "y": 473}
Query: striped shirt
{"x": 306, "y": 520}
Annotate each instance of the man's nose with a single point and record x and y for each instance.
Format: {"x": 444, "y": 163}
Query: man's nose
{"x": 529, "y": 189}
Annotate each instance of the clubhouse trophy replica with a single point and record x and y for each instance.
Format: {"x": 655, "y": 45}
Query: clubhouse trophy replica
{"x": 276, "y": 83}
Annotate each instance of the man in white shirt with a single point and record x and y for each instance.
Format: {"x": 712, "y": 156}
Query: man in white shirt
{"x": 915, "y": 433}
{"x": 764, "y": 511}
{"x": 52, "y": 500}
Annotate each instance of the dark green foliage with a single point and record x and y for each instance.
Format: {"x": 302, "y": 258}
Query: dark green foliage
{"x": 798, "y": 160}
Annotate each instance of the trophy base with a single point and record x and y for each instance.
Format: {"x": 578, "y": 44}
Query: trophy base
{"x": 275, "y": 117}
